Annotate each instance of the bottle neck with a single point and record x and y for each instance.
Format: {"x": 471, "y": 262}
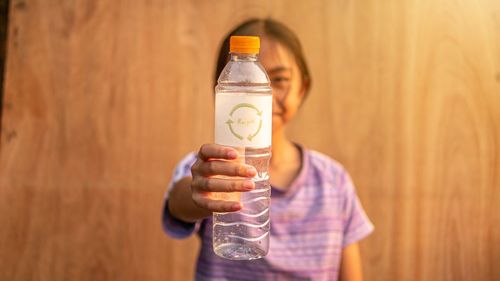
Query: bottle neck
{"x": 244, "y": 57}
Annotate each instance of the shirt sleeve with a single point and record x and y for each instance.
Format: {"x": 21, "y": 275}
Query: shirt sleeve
{"x": 357, "y": 224}
{"x": 174, "y": 227}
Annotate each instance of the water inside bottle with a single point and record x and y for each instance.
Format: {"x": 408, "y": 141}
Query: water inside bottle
{"x": 243, "y": 235}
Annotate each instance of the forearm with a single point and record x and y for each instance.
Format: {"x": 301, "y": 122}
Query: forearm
{"x": 350, "y": 266}
{"x": 181, "y": 204}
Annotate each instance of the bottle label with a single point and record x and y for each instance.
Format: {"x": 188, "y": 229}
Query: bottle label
{"x": 243, "y": 119}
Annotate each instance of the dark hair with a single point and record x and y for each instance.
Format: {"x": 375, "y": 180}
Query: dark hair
{"x": 273, "y": 30}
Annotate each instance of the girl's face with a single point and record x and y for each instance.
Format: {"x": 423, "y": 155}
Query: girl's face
{"x": 286, "y": 81}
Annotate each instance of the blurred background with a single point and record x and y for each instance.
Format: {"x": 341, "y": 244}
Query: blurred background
{"x": 102, "y": 98}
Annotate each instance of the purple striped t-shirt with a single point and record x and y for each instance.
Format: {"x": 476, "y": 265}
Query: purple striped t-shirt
{"x": 311, "y": 222}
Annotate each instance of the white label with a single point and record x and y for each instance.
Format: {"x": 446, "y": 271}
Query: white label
{"x": 243, "y": 119}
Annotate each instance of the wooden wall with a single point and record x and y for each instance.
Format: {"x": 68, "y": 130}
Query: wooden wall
{"x": 103, "y": 97}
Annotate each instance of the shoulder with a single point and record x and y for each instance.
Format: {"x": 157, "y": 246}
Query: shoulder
{"x": 322, "y": 160}
{"x": 186, "y": 162}
{"x": 188, "y": 159}
{"x": 324, "y": 168}
{"x": 183, "y": 167}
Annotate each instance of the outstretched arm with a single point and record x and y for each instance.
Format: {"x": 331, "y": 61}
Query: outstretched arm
{"x": 350, "y": 265}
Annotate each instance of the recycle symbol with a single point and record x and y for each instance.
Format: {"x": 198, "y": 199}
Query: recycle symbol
{"x": 230, "y": 123}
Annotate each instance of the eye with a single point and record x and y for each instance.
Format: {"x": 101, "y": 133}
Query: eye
{"x": 280, "y": 80}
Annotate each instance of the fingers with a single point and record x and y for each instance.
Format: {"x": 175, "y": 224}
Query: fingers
{"x": 223, "y": 168}
{"x": 222, "y": 185}
{"x": 210, "y": 151}
{"x": 216, "y": 205}
{"x": 218, "y": 160}
{"x": 213, "y": 160}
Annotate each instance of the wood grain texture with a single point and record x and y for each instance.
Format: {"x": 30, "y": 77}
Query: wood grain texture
{"x": 103, "y": 98}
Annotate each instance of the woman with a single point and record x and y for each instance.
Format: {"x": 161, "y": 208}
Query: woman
{"x": 316, "y": 216}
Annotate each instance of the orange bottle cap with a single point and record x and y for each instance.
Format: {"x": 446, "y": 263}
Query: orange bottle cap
{"x": 244, "y": 44}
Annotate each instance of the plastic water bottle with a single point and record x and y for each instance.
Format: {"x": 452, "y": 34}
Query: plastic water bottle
{"x": 243, "y": 120}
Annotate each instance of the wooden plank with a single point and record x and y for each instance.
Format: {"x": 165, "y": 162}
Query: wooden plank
{"x": 101, "y": 100}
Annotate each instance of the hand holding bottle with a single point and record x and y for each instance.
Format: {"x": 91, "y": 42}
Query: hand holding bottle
{"x": 232, "y": 176}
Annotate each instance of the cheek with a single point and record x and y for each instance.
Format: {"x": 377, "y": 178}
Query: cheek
{"x": 291, "y": 106}
{"x": 286, "y": 111}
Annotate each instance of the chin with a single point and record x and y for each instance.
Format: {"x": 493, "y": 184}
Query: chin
{"x": 277, "y": 123}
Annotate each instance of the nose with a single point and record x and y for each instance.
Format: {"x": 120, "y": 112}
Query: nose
{"x": 277, "y": 102}
{"x": 277, "y": 94}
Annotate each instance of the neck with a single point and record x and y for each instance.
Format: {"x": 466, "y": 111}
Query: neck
{"x": 285, "y": 161}
{"x": 283, "y": 149}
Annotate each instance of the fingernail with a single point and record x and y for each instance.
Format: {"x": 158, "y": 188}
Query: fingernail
{"x": 236, "y": 206}
{"x": 251, "y": 171}
{"x": 248, "y": 185}
{"x": 232, "y": 154}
